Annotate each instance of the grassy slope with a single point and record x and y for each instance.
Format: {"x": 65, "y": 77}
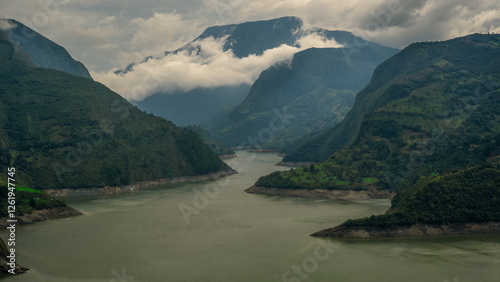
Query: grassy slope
{"x": 27, "y": 200}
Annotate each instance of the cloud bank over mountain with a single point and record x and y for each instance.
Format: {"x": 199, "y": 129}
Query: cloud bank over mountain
{"x": 211, "y": 67}
{"x": 111, "y": 34}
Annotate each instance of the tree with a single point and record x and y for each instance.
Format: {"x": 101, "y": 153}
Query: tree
{"x": 312, "y": 169}
{"x": 32, "y": 203}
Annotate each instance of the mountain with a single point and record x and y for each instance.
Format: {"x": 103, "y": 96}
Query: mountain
{"x": 243, "y": 40}
{"x": 314, "y": 91}
{"x": 196, "y": 106}
{"x": 249, "y": 38}
{"x": 43, "y": 52}
{"x": 222, "y": 150}
{"x": 66, "y": 131}
{"x": 428, "y": 127}
{"x": 324, "y": 145}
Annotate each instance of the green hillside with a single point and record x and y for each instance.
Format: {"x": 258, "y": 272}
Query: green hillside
{"x": 27, "y": 200}
{"x": 215, "y": 145}
{"x": 428, "y": 120}
{"x": 470, "y": 195}
{"x": 64, "y": 131}
{"x": 288, "y": 101}
{"x": 442, "y": 64}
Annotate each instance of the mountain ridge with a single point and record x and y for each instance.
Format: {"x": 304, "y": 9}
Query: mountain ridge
{"x": 43, "y": 52}
{"x": 242, "y": 40}
{"x": 429, "y": 129}
{"x": 57, "y": 129}
{"x": 316, "y": 89}
{"x": 319, "y": 149}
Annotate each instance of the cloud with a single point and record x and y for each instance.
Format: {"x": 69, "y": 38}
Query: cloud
{"x": 211, "y": 67}
{"x": 432, "y": 20}
{"x": 6, "y": 24}
{"x": 162, "y": 32}
{"x": 141, "y": 28}
{"x": 317, "y": 41}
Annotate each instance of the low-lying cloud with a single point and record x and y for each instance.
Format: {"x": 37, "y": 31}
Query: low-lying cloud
{"x": 6, "y": 24}
{"x": 211, "y": 67}
{"x": 114, "y": 33}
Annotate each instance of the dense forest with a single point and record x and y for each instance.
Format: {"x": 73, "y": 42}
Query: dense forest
{"x": 430, "y": 121}
{"x": 215, "y": 145}
{"x": 65, "y": 131}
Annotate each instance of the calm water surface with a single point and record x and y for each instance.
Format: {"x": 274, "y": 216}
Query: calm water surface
{"x": 225, "y": 234}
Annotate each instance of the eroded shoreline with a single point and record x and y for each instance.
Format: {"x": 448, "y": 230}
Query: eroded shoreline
{"x": 414, "y": 230}
{"x": 139, "y": 185}
{"x": 42, "y": 215}
{"x": 323, "y": 193}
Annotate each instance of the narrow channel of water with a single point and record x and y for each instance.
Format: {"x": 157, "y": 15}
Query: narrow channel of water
{"x": 225, "y": 234}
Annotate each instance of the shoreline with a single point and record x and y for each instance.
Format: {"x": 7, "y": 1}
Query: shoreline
{"x": 264, "y": 150}
{"x": 138, "y": 185}
{"x": 349, "y": 195}
{"x": 407, "y": 231}
{"x": 42, "y": 215}
{"x": 228, "y": 156}
{"x": 293, "y": 164}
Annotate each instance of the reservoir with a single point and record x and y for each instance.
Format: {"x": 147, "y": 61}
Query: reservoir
{"x": 214, "y": 231}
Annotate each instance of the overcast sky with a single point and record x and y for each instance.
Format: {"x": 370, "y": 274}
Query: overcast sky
{"x": 109, "y": 34}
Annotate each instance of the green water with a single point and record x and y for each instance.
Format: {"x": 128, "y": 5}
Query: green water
{"x": 230, "y": 235}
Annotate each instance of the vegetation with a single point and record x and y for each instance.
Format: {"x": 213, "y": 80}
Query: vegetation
{"x": 311, "y": 177}
{"x": 429, "y": 74}
{"x": 196, "y": 106}
{"x": 471, "y": 195}
{"x": 64, "y": 131}
{"x": 429, "y": 130}
{"x": 27, "y": 200}
{"x": 215, "y": 145}
{"x": 288, "y": 101}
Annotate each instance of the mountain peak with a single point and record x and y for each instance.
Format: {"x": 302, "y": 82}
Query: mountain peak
{"x": 43, "y": 52}
{"x": 255, "y": 37}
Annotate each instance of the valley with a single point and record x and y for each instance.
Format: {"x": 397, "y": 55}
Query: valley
{"x": 177, "y": 148}
{"x": 145, "y": 235}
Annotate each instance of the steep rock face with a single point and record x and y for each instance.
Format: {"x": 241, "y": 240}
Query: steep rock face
{"x": 255, "y": 37}
{"x": 242, "y": 40}
{"x": 43, "y": 52}
{"x": 12, "y": 51}
{"x": 430, "y": 67}
{"x": 312, "y": 92}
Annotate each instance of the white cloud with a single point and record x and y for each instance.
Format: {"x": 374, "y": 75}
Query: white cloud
{"x": 184, "y": 71}
{"x": 114, "y": 33}
{"x": 6, "y": 25}
{"x": 316, "y": 40}
{"x": 162, "y": 32}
